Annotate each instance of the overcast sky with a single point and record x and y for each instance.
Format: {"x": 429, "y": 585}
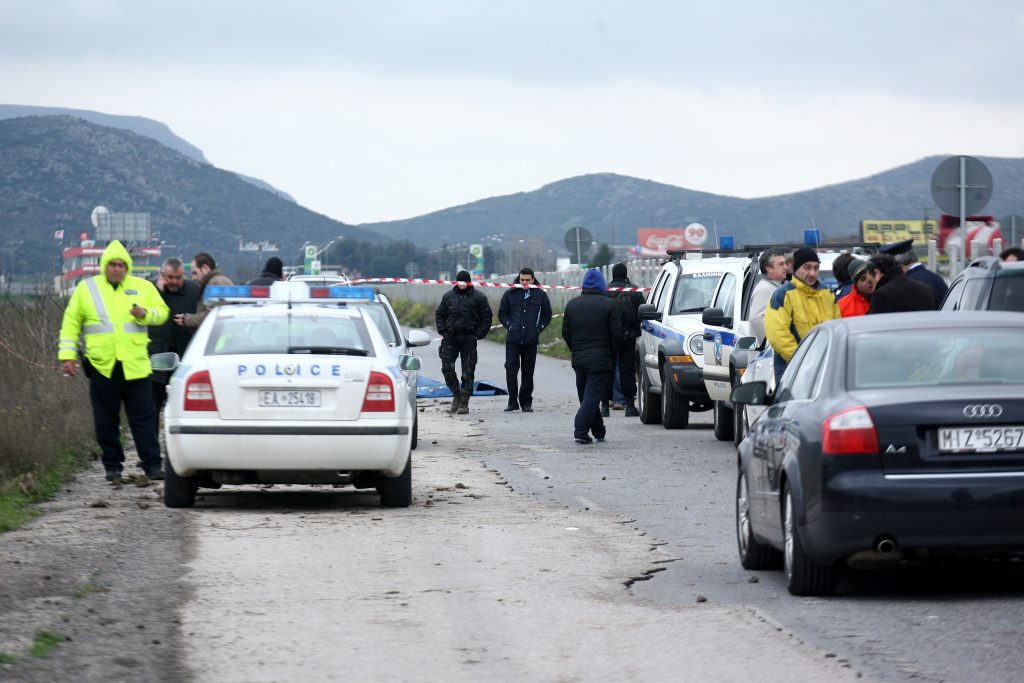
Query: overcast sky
{"x": 378, "y": 110}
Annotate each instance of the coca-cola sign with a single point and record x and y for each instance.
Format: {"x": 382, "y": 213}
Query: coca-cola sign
{"x": 654, "y": 241}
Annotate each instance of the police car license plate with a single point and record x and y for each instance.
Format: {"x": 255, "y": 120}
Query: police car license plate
{"x": 290, "y": 399}
{"x": 981, "y": 439}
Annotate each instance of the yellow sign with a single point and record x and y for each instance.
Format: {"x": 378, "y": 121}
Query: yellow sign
{"x": 896, "y": 230}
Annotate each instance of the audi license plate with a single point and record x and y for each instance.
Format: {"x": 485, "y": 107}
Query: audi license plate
{"x": 290, "y": 399}
{"x": 981, "y": 439}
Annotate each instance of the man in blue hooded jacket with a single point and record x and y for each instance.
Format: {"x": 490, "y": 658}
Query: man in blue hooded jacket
{"x": 592, "y": 330}
{"x": 524, "y": 311}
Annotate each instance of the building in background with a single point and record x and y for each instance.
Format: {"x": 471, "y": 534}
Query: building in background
{"x": 81, "y": 259}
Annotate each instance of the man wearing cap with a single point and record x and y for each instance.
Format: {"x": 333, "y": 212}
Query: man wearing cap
{"x": 462, "y": 317}
{"x": 797, "y": 307}
{"x": 627, "y": 305}
{"x": 272, "y": 272}
{"x": 905, "y": 255}
{"x": 862, "y": 276}
{"x": 895, "y": 292}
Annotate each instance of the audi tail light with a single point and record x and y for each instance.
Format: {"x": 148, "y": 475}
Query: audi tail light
{"x": 199, "y": 392}
{"x": 380, "y": 394}
{"x": 849, "y": 431}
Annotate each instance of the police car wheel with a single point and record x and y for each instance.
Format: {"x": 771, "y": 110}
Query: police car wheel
{"x": 179, "y": 492}
{"x": 675, "y": 412}
{"x": 415, "y": 432}
{"x": 397, "y": 492}
{"x": 650, "y": 410}
{"x": 739, "y": 427}
{"x": 724, "y": 421}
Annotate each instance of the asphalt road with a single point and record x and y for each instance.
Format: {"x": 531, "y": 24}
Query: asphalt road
{"x": 959, "y": 623}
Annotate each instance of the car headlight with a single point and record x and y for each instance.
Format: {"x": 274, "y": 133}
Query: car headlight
{"x": 697, "y": 345}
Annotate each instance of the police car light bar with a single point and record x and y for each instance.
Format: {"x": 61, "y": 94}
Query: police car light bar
{"x": 284, "y": 292}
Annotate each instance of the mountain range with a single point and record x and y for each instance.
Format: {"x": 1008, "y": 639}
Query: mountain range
{"x": 55, "y": 169}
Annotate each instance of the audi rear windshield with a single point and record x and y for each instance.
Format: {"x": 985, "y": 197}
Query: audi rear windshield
{"x": 297, "y": 332}
{"x": 954, "y": 355}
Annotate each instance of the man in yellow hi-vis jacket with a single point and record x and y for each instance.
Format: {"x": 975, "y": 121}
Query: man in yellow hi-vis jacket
{"x": 111, "y": 311}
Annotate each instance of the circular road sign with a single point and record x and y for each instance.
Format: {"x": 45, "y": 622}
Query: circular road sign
{"x": 578, "y": 240}
{"x": 976, "y": 181}
{"x": 696, "y": 234}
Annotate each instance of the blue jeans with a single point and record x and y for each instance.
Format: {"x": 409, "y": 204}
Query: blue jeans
{"x": 590, "y": 387}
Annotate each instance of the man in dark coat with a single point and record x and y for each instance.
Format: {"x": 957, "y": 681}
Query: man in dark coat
{"x": 904, "y": 254}
{"x": 462, "y": 317}
{"x": 627, "y": 305}
{"x": 181, "y": 296}
{"x": 524, "y": 311}
{"x": 897, "y": 293}
{"x": 272, "y": 272}
{"x": 592, "y": 331}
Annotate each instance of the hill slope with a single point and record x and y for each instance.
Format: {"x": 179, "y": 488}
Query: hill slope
{"x": 607, "y": 203}
{"x": 55, "y": 170}
{"x": 136, "y": 124}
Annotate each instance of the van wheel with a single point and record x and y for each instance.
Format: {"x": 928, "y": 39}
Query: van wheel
{"x": 724, "y": 421}
{"x": 675, "y": 412}
{"x": 649, "y": 405}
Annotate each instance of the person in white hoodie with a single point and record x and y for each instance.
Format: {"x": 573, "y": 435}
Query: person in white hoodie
{"x": 773, "y": 273}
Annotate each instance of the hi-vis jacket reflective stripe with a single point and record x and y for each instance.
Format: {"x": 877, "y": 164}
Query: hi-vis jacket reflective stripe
{"x": 103, "y": 315}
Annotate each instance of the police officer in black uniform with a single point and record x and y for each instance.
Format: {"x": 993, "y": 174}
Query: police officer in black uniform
{"x": 906, "y": 256}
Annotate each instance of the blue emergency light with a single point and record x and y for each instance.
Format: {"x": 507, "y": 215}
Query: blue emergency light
{"x": 236, "y": 292}
{"x": 290, "y": 292}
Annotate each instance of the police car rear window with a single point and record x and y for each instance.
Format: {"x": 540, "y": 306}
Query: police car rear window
{"x": 297, "y": 332}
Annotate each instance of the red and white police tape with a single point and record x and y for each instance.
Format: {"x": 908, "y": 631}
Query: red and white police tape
{"x": 507, "y": 285}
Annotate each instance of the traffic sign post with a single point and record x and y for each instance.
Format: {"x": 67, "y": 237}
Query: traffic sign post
{"x": 1015, "y": 223}
{"x": 961, "y": 185}
{"x": 578, "y": 241}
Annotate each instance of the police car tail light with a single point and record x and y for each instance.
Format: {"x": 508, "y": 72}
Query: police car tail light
{"x": 849, "y": 431}
{"x": 380, "y": 394}
{"x": 199, "y": 392}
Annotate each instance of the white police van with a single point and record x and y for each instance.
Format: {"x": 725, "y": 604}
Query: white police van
{"x": 292, "y": 384}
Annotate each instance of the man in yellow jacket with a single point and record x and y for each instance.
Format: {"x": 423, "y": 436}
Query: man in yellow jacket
{"x": 796, "y": 307}
{"x": 111, "y": 311}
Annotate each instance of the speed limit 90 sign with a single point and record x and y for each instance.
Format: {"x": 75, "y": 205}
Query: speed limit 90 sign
{"x": 696, "y": 234}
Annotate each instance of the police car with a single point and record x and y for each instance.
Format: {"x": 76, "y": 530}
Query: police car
{"x": 670, "y": 351}
{"x": 292, "y": 384}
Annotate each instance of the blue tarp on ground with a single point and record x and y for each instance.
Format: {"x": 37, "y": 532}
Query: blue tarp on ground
{"x": 431, "y": 388}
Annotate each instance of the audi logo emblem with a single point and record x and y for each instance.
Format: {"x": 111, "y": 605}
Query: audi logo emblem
{"x": 983, "y": 410}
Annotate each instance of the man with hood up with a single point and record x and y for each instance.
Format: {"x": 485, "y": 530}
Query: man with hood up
{"x": 627, "y": 304}
{"x": 272, "y": 272}
{"x": 593, "y": 331}
{"x": 462, "y": 317}
{"x": 524, "y": 311}
{"x": 111, "y": 311}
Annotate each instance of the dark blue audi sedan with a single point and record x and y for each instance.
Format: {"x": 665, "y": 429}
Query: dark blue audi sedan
{"x": 888, "y": 438}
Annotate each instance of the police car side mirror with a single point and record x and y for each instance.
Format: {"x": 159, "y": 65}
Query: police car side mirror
{"x": 164, "y": 362}
{"x": 715, "y": 317}
{"x": 417, "y": 338}
{"x": 746, "y": 343}
{"x": 409, "y": 363}
{"x": 649, "y": 312}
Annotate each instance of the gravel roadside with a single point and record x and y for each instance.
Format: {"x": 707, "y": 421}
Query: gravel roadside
{"x": 99, "y": 572}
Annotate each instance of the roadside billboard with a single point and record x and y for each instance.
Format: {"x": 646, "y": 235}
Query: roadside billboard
{"x": 887, "y": 230}
{"x": 657, "y": 241}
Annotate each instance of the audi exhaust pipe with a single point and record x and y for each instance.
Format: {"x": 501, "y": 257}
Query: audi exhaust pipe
{"x": 885, "y": 546}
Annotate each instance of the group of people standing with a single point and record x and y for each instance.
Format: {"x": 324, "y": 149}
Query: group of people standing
{"x": 113, "y": 323}
{"x": 891, "y": 281}
{"x": 600, "y": 327}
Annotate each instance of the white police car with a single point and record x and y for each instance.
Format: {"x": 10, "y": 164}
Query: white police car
{"x": 291, "y": 384}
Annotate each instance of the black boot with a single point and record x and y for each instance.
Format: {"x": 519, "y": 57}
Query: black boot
{"x": 605, "y": 412}
{"x": 456, "y": 401}
{"x": 464, "y": 403}
{"x": 512, "y": 405}
{"x": 631, "y": 410}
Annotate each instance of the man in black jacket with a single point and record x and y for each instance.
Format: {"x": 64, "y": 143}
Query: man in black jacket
{"x": 181, "y": 296}
{"x": 592, "y": 331}
{"x": 524, "y": 311}
{"x": 462, "y": 317}
{"x": 627, "y": 305}
{"x": 272, "y": 272}
{"x": 897, "y": 293}
{"x": 905, "y": 255}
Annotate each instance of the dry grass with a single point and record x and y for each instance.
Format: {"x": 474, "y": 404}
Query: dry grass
{"x": 45, "y": 418}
